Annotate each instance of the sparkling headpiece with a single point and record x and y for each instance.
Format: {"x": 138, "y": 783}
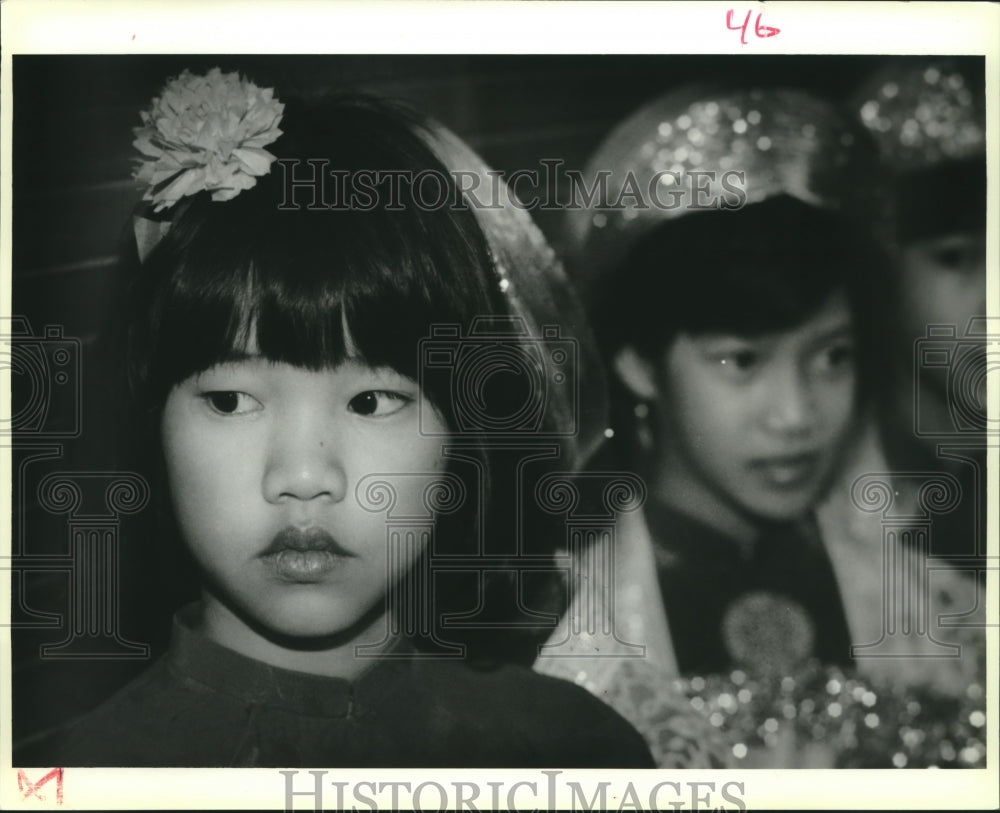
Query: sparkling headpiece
{"x": 922, "y": 115}
{"x": 929, "y": 122}
{"x": 538, "y": 291}
{"x": 692, "y": 149}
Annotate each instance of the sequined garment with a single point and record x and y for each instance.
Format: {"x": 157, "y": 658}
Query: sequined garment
{"x": 720, "y": 150}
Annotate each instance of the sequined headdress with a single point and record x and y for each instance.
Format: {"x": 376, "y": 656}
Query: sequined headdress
{"x": 928, "y": 118}
{"x": 695, "y": 149}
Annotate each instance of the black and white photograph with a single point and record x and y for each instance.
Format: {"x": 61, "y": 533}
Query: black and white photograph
{"x": 613, "y": 424}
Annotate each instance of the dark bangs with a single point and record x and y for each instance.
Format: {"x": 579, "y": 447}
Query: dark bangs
{"x": 284, "y": 267}
{"x": 766, "y": 268}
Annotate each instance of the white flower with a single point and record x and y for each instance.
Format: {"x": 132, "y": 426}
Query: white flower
{"x": 206, "y": 133}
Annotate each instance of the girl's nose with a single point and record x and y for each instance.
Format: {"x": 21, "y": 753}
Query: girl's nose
{"x": 790, "y": 403}
{"x": 304, "y": 465}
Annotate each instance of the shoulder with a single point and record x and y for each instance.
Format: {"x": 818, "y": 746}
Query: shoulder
{"x": 560, "y": 722}
{"x": 139, "y": 725}
{"x": 86, "y": 740}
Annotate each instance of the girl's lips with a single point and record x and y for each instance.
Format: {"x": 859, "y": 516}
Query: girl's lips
{"x": 303, "y": 540}
{"x": 304, "y": 555}
{"x": 788, "y": 471}
{"x": 303, "y": 567}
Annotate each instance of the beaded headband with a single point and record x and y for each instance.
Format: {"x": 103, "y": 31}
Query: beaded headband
{"x": 206, "y": 134}
{"x": 535, "y": 284}
{"x": 929, "y": 122}
{"x": 922, "y": 115}
{"x": 694, "y": 149}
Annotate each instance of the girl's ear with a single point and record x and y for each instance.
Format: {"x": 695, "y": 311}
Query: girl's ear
{"x": 636, "y": 373}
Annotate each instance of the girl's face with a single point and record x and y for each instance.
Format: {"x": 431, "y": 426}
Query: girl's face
{"x": 943, "y": 282}
{"x": 753, "y": 426}
{"x": 263, "y": 459}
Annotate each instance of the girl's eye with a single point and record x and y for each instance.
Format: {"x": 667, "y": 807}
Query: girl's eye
{"x": 835, "y": 358}
{"x": 957, "y": 255}
{"x": 738, "y": 360}
{"x": 953, "y": 259}
{"x": 231, "y": 402}
{"x": 378, "y": 403}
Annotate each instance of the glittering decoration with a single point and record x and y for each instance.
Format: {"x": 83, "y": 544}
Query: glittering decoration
{"x": 767, "y": 633}
{"x": 825, "y": 717}
{"x": 533, "y": 282}
{"x": 922, "y": 115}
{"x": 691, "y": 150}
{"x": 677, "y": 736}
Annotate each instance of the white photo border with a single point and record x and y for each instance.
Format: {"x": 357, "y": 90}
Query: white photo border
{"x": 489, "y": 28}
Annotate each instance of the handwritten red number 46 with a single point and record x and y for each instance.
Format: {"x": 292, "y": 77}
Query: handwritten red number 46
{"x": 761, "y": 31}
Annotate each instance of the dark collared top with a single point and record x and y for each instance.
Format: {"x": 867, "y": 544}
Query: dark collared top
{"x": 203, "y": 705}
{"x": 771, "y": 607}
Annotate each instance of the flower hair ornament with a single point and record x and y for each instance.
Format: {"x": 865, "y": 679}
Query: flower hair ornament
{"x": 202, "y": 134}
{"x": 207, "y": 134}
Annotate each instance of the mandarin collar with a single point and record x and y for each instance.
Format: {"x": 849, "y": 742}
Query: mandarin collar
{"x": 195, "y": 657}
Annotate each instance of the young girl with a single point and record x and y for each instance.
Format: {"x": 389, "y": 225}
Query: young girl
{"x": 928, "y": 119}
{"x": 733, "y": 291}
{"x": 318, "y": 459}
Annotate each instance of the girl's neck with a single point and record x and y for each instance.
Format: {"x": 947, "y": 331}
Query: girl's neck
{"x": 682, "y": 491}
{"x": 329, "y": 658}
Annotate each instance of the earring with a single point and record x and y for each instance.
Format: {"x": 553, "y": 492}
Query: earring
{"x": 643, "y": 431}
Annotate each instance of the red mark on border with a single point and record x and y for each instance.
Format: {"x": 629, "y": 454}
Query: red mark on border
{"x": 761, "y": 31}
{"x": 29, "y": 788}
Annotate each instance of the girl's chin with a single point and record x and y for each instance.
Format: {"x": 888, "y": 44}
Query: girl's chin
{"x": 788, "y": 511}
{"x": 787, "y": 501}
{"x": 318, "y": 621}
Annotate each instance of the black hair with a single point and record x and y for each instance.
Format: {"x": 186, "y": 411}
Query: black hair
{"x": 941, "y": 199}
{"x": 767, "y": 267}
{"x": 284, "y": 261}
{"x": 287, "y": 266}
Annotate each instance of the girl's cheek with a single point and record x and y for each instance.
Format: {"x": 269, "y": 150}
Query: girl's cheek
{"x": 839, "y": 400}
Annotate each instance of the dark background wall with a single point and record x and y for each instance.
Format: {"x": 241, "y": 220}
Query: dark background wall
{"x": 73, "y": 195}
{"x": 73, "y": 120}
